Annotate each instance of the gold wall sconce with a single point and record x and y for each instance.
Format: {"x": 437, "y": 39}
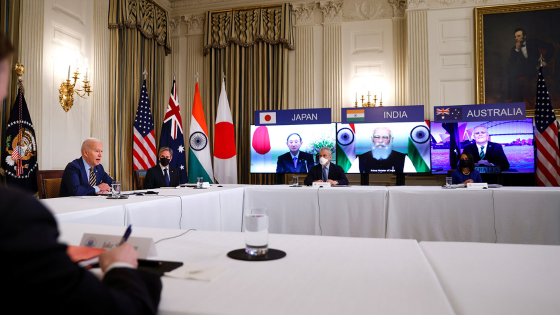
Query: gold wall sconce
{"x": 369, "y": 104}
{"x": 67, "y": 89}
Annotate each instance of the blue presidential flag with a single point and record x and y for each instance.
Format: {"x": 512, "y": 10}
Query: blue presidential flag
{"x": 172, "y": 135}
{"x": 20, "y": 150}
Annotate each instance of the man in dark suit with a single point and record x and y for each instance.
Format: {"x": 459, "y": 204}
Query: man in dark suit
{"x": 162, "y": 175}
{"x": 524, "y": 61}
{"x": 37, "y": 267}
{"x": 326, "y": 171}
{"x": 39, "y": 277}
{"x": 382, "y": 158}
{"x": 485, "y": 152}
{"x": 86, "y": 176}
{"x": 294, "y": 161}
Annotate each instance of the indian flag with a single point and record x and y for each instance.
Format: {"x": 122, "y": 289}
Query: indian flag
{"x": 355, "y": 115}
{"x": 200, "y": 163}
{"x": 346, "y": 146}
{"x": 419, "y": 147}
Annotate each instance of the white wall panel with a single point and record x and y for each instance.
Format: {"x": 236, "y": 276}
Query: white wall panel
{"x": 451, "y": 58}
{"x": 68, "y": 39}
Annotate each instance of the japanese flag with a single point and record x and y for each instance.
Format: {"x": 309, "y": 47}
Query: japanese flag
{"x": 267, "y": 118}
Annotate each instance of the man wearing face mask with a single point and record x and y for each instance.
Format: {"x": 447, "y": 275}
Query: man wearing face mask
{"x": 326, "y": 171}
{"x": 162, "y": 175}
{"x": 382, "y": 158}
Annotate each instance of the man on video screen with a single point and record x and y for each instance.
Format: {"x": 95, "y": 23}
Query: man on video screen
{"x": 294, "y": 161}
{"x": 382, "y": 158}
{"x": 486, "y": 152}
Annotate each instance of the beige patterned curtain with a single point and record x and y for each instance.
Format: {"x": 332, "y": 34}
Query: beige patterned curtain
{"x": 138, "y": 41}
{"x": 9, "y": 25}
{"x": 251, "y": 48}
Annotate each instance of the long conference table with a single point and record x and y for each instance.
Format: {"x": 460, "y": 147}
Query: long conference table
{"x": 518, "y": 215}
{"x": 342, "y": 275}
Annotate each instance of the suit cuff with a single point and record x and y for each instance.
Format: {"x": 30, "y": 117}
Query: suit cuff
{"x": 97, "y": 189}
{"x": 119, "y": 265}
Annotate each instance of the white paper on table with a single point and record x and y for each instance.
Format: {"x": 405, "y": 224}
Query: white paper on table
{"x": 194, "y": 272}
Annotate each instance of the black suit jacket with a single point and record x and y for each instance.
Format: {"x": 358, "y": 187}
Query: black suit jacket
{"x": 75, "y": 180}
{"x": 494, "y": 154}
{"x": 40, "y": 278}
{"x": 285, "y": 163}
{"x": 531, "y": 63}
{"x": 335, "y": 173}
{"x": 155, "y": 179}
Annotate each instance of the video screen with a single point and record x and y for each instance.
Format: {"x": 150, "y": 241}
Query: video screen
{"x": 384, "y": 147}
{"x": 273, "y": 148}
{"x": 507, "y": 144}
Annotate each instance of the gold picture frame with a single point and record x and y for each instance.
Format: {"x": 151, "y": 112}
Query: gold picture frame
{"x": 479, "y": 14}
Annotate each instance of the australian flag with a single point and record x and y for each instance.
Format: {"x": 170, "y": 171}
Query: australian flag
{"x": 448, "y": 114}
{"x": 454, "y": 143}
{"x": 172, "y": 135}
{"x": 19, "y": 157}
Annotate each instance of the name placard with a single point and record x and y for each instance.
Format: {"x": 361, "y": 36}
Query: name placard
{"x": 143, "y": 245}
{"x": 361, "y": 115}
{"x": 481, "y": 112}
{"x": 477, "y": 185}
{"x": 321, "y": 184}
{"x": 293, "y": 117}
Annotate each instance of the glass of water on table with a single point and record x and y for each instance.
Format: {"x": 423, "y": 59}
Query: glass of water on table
{"x": 256, "y": 234}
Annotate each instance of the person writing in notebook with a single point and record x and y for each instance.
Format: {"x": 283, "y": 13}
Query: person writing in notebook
{"x": 40, "y": 278}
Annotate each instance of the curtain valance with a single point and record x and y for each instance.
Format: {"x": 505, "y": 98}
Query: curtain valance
{"x": 272, "y": 25}
{"x": 150, "y": 20}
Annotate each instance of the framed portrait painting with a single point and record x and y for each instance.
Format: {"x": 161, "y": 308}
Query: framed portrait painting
{"x": 511, "y": 43}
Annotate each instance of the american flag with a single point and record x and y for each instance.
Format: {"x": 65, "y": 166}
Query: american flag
{"x": 548, "y": 157}
{"x": 144, "y": 148}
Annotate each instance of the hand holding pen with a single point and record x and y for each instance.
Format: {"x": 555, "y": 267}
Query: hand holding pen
{"x": 123, "y": 253}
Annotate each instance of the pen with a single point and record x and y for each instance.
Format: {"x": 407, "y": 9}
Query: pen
{"x": 126, "y": 235}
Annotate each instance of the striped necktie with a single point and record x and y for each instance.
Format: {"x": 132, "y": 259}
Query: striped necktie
{"x": 91, "y": 177}
{"x": 481, "y": 153}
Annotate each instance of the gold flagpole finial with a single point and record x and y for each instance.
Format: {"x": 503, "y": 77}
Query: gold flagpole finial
{"x": 20, "y": 70}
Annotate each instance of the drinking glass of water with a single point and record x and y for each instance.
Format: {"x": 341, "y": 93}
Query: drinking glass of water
{"x": 256, "y": 234}
{"x": 448, "y": 181}
{"x": 116, "y": 189}
{"x": 295, "y": 180}
{"x": 199, "y": 182}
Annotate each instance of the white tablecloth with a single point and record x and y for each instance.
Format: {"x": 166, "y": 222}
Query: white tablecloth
{"x": 319, "y": 275}
{"x": 436, "y": 214}
{"x": 87, "y": 210}
{"x": 498, "y": 278}
{"x": 215, "y": 208}
{"x": 359, "y": 211}
{"x": 291, "y": 210}
{"x": 527, "y": 215}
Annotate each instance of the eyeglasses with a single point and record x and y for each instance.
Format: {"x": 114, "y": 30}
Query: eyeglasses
{"x": 377, "y": 137}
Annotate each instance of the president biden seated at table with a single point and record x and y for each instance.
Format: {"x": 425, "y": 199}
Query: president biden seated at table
{"x": 326, "y": 171}
{"x": 85, "y": 175}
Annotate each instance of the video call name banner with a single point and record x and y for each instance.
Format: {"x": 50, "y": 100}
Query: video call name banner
{"x": 293, "y": 117}
{"x": 481, "y": 112}
{"x": 389, "y": 114}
